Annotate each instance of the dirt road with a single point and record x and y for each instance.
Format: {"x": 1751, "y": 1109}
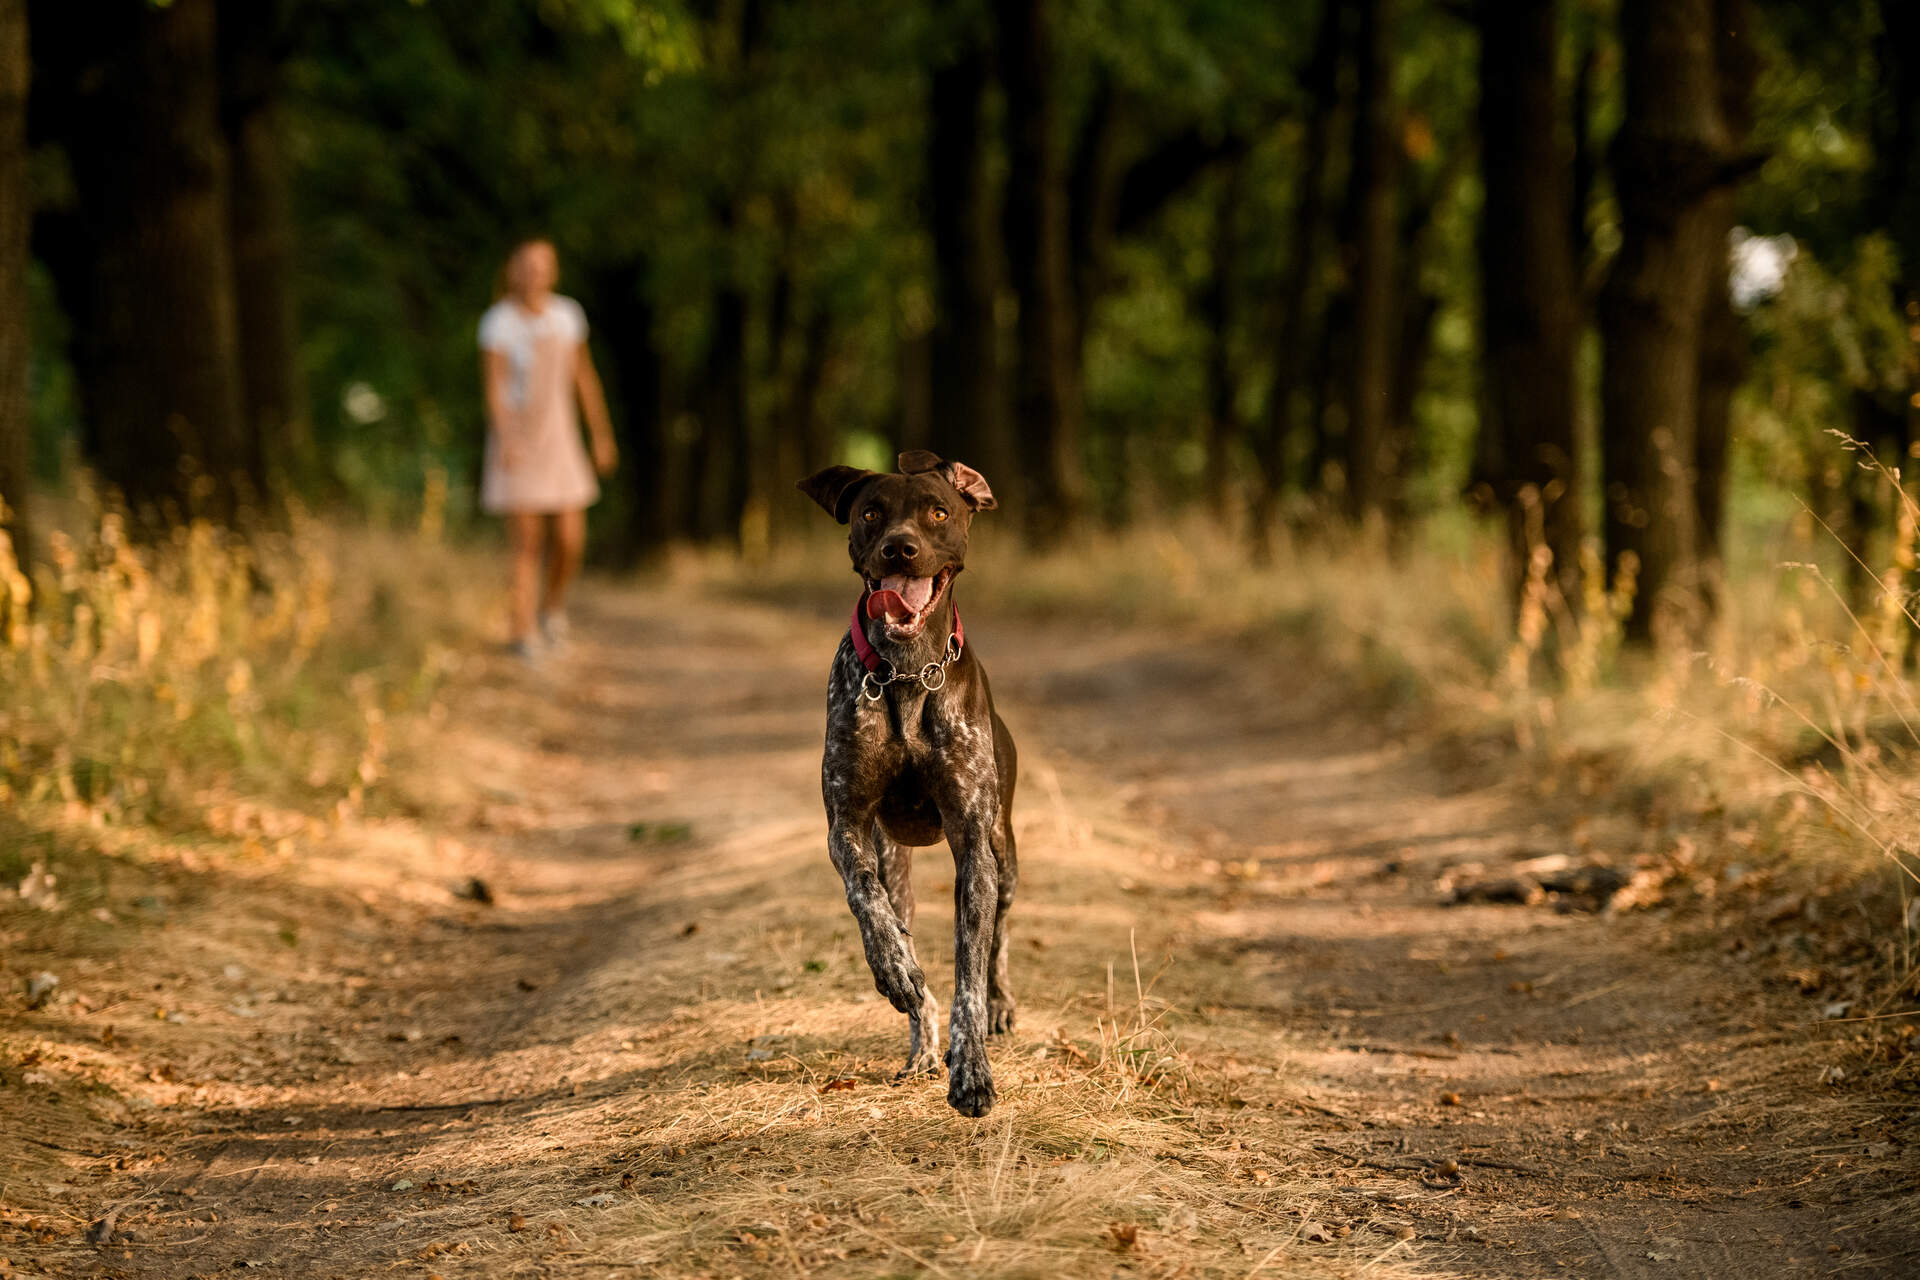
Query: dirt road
{"x": 657, "y": 1051}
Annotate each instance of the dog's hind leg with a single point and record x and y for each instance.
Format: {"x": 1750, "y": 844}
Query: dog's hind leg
{"x": 1000, "y": 1001}
{"x": 923, "y": 1028}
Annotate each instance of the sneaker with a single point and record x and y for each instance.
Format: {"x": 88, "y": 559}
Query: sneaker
{"x": 554, "y": 628}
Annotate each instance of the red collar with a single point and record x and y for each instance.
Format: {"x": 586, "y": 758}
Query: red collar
{"x": 863, "y": 649}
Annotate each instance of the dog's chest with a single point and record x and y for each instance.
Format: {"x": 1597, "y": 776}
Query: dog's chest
{"x": 907, "y": 731}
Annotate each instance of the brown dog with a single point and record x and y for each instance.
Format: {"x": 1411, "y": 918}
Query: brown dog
{"x": 915, "y": 751}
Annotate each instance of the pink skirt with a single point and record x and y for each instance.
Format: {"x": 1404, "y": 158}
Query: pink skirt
{"x": 554, "y": 474}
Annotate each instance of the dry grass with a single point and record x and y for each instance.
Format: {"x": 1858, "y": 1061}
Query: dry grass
{"x": 1137, "y": 1131}
{"x": 170, "y": 685}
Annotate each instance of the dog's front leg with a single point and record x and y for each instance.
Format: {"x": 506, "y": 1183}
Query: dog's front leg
{"x": 895, "y": 973}
{"x": 923, "y": 1026}
{"x": 976, "y": 899}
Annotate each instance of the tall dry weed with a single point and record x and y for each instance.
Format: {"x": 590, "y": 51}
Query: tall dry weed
{"x": 152, "y": 682}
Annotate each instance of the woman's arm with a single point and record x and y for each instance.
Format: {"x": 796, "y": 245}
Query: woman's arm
{"x": 606, "y": 454}
{"x": 497, "y": 376}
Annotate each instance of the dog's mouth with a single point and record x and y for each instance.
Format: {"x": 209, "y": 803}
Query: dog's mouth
{"x": 904, "y": 604}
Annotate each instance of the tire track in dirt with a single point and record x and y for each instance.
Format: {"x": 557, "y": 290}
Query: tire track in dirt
{"x": 664, "y": 1053}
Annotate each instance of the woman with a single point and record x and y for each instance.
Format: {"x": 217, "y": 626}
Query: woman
{"x": 534, "y": 352}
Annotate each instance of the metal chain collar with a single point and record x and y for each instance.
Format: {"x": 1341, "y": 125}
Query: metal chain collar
{"x": 932, "y": 677}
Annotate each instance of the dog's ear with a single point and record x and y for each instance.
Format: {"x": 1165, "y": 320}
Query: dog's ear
{"x": 971, "y": 485}
{"x": 833, "y": 488}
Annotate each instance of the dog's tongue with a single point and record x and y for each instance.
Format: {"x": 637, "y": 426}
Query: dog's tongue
{"x": 900, "y": 597}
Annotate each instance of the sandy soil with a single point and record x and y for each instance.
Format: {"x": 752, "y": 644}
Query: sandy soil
{"x": 656, "y": 1050}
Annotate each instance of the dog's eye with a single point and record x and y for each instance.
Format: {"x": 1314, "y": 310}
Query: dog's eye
{"x": 938, "y": 515}
{"x": 870, "y": 514}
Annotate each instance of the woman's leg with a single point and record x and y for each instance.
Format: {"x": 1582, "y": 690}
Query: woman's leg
{"x": 563, "y": 557}
{"x": 523, "y": 535}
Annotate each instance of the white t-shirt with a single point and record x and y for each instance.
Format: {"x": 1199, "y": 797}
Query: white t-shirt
{"x": 525, "y": 337}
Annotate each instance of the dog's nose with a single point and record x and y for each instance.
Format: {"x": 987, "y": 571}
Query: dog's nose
{"x": 902, "y": 549}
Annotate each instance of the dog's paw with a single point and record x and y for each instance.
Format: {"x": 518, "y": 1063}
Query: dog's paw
{"x": 920, "y": 1065}
{"x": 969, "y": 1084}
{"x": 1000, "y": 1010}
{"x": 898, "y": 978}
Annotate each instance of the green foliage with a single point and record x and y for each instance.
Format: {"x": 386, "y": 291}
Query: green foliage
{"x": 670, "y": 151}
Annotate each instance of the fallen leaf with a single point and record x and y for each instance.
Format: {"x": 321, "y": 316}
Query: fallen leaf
{"x": 598, "y": 1200}
{"x": 835, "y": 1086}
{"x": 405, "y": 1184}
{"x": 1316, "y": 1233}
{"x": 1125, "y": 1234}
{"x": 517, "y": 1222}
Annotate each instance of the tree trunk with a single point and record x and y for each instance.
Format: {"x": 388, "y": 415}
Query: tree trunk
{"x": 273, "y": 403}
{"x": 1372, "y": 464}
{"x": 1093, "y": 192}
{"x": 914, "y": 354}
{"x": 1217, "y": 305}
{"x": 1586, "y": 161}
{"x": 636, "y": 384}
{"x": 726, "y": 428}
{"x": 16, "y": 477}
{"x": 1321, "y": 80}
{"x": 1897, "y": 146}
{"x": 1667, "y": 160}
{"x": 1529, "y": 295}
{"x": 1046, "y": 392}
{"x": 967, "y": 418}
{"x": 1327, "y": 415}
{"x": 1723, "y": 339}
{"x": 802, "y": 447}
{"x": 160, "y": 353}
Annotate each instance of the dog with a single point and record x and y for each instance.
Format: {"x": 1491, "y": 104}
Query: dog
{"x": 915, "y": 752}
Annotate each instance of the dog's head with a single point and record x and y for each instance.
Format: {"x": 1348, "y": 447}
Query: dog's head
{"x": 908, "y": 532}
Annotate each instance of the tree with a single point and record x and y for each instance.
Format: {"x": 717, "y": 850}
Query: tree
{"x": 966, "y": 395}
{"x": 1667, "y": 163}
{"x": 253, "y": 44}
{"x": 636, "y": 383}
{"x": 1528, "y": 289}
{"x": 1723, "y": 339}
{"x": 1373, "y": 449}
{"x": 1046, "y": 391}
{"x": 1896, "y": 195}
{"x": 1217, "y": 305}
{"x": 1321, "y": 82}
{"x": 159, "y": 349}
{"x": 16, "y": 482}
